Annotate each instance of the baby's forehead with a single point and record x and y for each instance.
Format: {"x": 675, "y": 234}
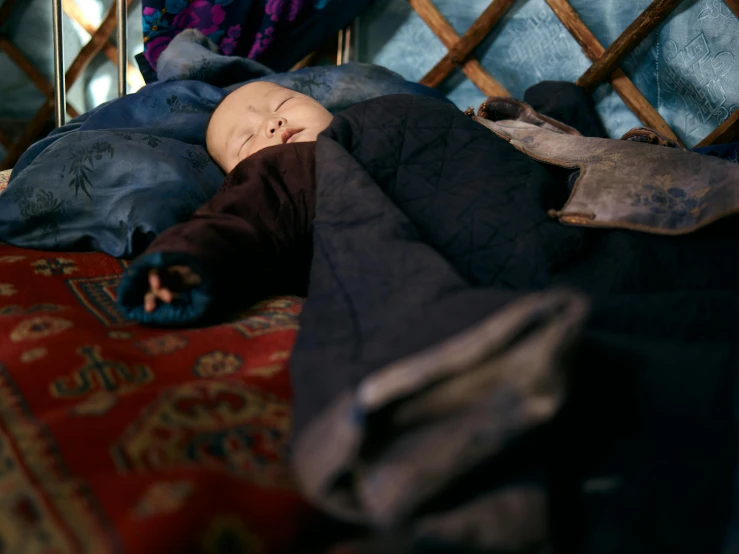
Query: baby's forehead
{"x": 262, "y": 89}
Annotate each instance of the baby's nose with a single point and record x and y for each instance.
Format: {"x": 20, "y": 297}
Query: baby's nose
{"x": 274, "y": 126}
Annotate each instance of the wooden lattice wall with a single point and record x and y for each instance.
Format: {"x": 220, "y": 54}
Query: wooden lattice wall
{"x": 605, "y": 64}
{"x": 99, "y": 42}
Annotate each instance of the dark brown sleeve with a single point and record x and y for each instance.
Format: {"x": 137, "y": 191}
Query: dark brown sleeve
{"x": 254, "y": 235}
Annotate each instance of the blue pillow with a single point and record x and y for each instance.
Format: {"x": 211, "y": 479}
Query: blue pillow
{"x": 114, "y": 178}
{"x": 110, "y": 191}
{"x": 117, "y": 176}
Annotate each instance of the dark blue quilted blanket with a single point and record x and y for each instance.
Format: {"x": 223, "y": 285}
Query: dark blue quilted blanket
{"x": 427, "y": 225}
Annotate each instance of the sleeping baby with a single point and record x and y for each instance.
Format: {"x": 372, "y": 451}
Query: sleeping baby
{"x": 258, "y": 115}
{"x": 278, "y": 127}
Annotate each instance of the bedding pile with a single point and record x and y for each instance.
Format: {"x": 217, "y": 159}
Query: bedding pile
{"x": 470, "y": 373}
{"x": 444, "y": 373}
{"x": 467, "y": 373}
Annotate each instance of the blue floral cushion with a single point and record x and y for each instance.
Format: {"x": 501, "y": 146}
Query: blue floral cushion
{"x": 111, "y": 191}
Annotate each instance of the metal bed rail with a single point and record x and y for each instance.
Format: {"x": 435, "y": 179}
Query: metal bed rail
{"x": 60, "y": 90}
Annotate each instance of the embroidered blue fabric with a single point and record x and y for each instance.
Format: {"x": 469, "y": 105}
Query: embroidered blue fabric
{"x": 117, "y": 176}
{"x": 686, "y": 68}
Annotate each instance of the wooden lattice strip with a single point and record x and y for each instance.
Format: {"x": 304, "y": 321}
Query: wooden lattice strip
{"x": 469, "y": 41}
{"x": 449, "y": 37}
{"x": 733, "y": 6}
{"x": 305, "y": 62}
{"x": 30, "y": 134}
{"x": 725, "y": 133}
{"x": 97, "y": 40}
{"x": 19, "y": 59}
{"x": 620, "y": 82}
{"x": 38, "y": 78}
{"x": 110, "y": 51}
{"x": 640, "y": 106}
{"x": 626, "y": 42}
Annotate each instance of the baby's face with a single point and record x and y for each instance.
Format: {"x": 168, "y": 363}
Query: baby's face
{"x": 259, "y": 115}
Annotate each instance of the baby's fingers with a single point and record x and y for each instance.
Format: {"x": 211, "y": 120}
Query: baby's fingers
{"x": 150, "y": 302}
{"x": 156, "y": 292}
{"x": 165, "y": 295}
{"x": 151, "y": 297}
{"x": 154, "y": 281}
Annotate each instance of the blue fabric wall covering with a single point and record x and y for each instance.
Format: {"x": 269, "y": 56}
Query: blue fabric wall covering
{"x": 687, "y": 68}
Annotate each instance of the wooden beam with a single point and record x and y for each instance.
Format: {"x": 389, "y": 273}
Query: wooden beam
{"x": 449, "y": 37}
{"x": 639, "y": 105}
{"x": 71, "y": 111}
{"x": 733, "y": 6}
{"x": 38, "y": 78}
{"x": 20, "y": 59}
{"x": 305, "y": 62}
{"x": 620, "y": 82}
{"x": 93, "y": 46}
{"x": 469, "y": 41}
{"x": 626, "y": 42}
{"x": 725, "y": 133}
{"x": 133, "y": 77}
{"x": 98, "y": 41}
{"x": 42, "y": 117}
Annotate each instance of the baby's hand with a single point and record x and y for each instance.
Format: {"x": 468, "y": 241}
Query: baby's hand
{"x": 167, "y": 284}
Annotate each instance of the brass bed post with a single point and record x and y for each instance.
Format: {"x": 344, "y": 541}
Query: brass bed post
{"x": 122, "y": 14}
{"x": 60, "y": 90}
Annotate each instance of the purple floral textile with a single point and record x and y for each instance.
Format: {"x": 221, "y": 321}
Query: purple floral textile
{"x": 249, "y": 28}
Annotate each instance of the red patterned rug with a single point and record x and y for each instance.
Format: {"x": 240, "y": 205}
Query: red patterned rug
{"x": 120, "y": 438}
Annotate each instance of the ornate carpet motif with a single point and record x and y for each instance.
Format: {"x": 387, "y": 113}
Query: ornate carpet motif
{"x": 120, "y": 438}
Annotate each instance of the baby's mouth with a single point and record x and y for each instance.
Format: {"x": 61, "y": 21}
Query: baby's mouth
{"x": 289, "y": 134}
